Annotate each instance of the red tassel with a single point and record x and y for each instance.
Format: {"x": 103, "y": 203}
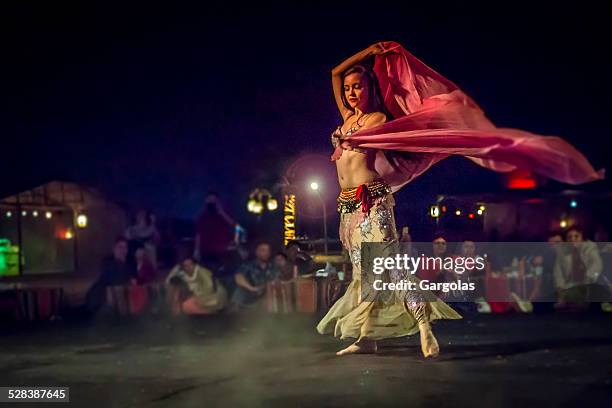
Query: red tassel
{"x": 363, "y": 194}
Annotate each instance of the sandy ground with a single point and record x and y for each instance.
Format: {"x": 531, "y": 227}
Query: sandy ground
{"x": 274, "y": 360}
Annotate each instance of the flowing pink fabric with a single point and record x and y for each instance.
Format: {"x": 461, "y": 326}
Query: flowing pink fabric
{"x": 435, "y": 119}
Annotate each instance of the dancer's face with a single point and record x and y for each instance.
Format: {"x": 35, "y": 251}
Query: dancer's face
{"x": 356, "y": 91}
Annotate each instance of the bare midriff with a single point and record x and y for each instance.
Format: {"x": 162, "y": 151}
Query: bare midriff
{"x": 356, "y": 168}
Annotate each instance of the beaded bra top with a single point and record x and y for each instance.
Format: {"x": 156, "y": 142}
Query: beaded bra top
{"x": 337, "y": 135}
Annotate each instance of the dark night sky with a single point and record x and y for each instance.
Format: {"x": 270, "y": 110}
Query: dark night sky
{"x": 157, "y": 105}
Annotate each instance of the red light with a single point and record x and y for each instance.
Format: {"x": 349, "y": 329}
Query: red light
{"x": 471, "y": 215}
{"x": 521, "y": 179}
{"x": 443, "y": 208}
{"x": 65, "y": 234}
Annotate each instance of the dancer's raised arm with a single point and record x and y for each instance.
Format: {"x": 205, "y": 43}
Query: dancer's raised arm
{"x": 337, "y": 84}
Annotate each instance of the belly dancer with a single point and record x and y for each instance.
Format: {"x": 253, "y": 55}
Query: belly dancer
{"x": 399, "y": 118}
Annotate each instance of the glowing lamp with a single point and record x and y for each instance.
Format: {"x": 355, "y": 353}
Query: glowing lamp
{"x": 573, "y": 204}
{"x": 563, "y": 223}
{"x": 251, "y": 204}
{"x": 81, "y": 221}
{"x": 258, "y": 208}
{"x": 272, "y": 204}
{"x": 471, "y": 216}
{"x": 314, "y": 186}
{"x": 434, "y": 211}
{"x": 9, "y": 214}
{"x": 457, "y": 212}
{"x": 35, "y": 213}
{"x": 48, "y": 215}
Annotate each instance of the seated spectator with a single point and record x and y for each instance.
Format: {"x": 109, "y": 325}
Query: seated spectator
{"x": 145, "y": 270}
{"x": 577, "y": 269}
{"x": 298, "y": 258}
{"x": 252, "y": 276}
{"x": 282, "y": 265}
{"x": 114, "y": 271}
{"x": 435, "y": 272}
{"x": 205, "y": 294}
{"x": 405, "y": 244}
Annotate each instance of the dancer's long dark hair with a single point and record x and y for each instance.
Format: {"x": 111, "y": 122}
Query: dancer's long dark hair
{"x": 377, "y": 104}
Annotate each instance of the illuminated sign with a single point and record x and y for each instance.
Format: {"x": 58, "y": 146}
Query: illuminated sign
{"x": 289, "y": 218}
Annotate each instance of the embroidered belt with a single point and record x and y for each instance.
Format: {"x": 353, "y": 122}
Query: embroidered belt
{"x": 351, "y": 198}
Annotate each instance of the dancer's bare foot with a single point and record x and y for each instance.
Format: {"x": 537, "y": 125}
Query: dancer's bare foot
{"x": 359, "y": 347}
{"x": 429, "y": 344}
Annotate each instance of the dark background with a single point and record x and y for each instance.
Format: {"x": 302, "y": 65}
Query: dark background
{"x": 157, "y": 104}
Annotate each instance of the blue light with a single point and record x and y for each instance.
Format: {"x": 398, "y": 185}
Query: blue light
{"x": 573, "y": 203}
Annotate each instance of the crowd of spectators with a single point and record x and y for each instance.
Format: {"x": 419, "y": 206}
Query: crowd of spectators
{"x": 220, "y": 272}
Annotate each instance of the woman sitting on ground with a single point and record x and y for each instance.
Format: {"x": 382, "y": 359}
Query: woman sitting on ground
{"x": 207, "y": 295}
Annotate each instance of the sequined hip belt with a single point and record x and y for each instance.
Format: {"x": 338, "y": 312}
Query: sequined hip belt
{"x": 353, "y": 197}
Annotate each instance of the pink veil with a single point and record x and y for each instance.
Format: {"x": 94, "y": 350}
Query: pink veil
{"x": 435, "y": 119}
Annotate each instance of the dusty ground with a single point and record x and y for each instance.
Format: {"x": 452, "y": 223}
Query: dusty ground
{"x": 270, "y": 361}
